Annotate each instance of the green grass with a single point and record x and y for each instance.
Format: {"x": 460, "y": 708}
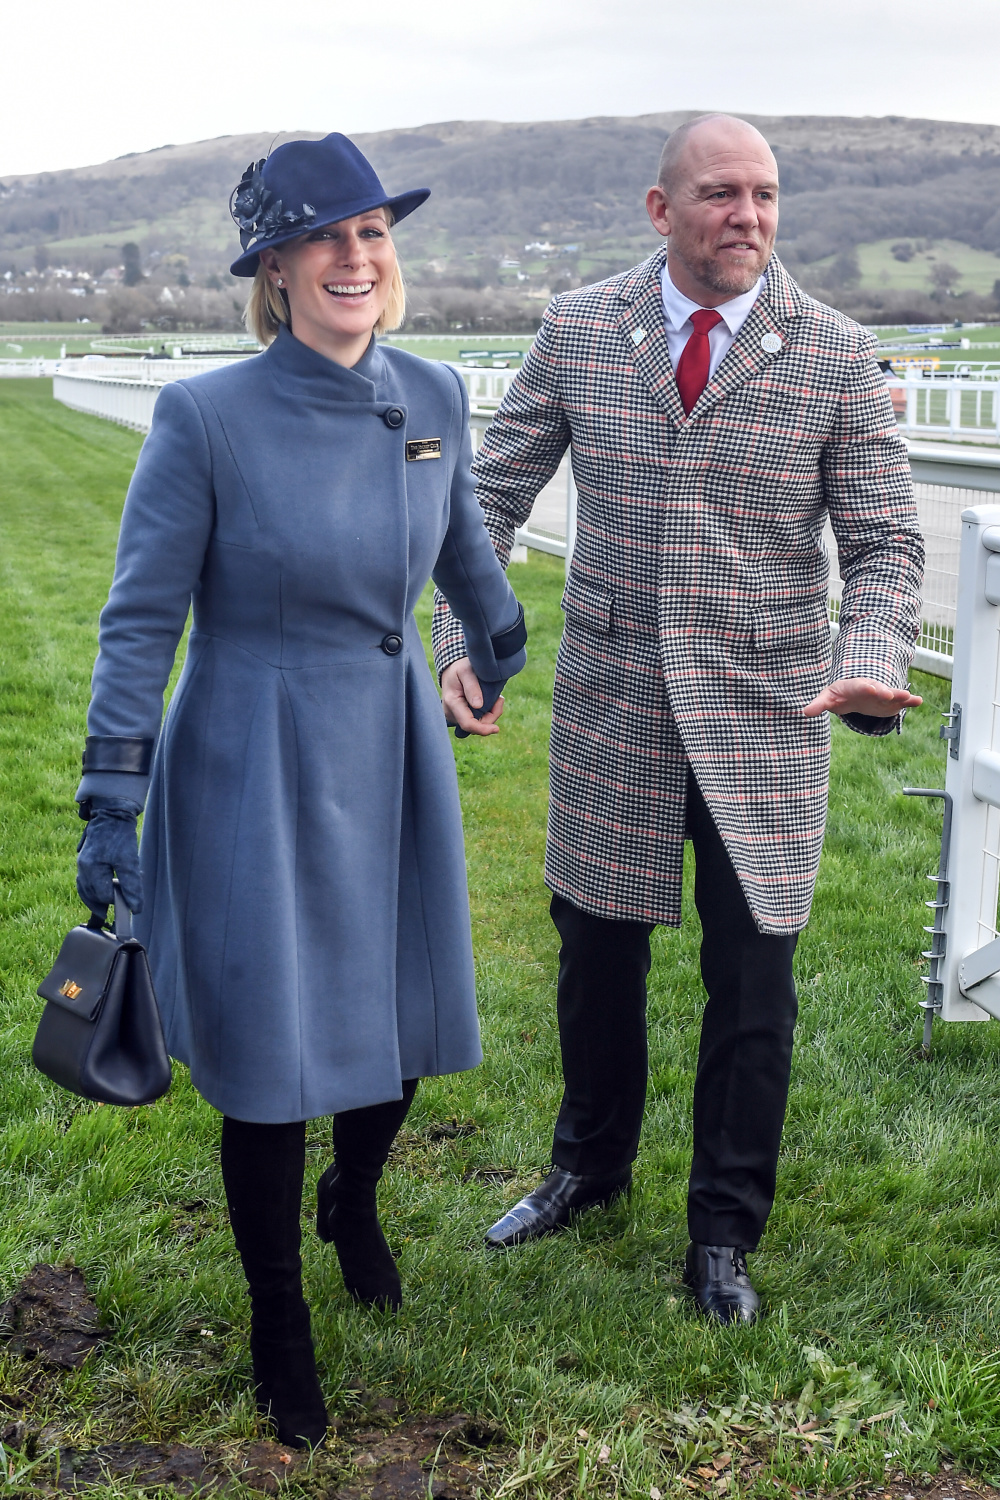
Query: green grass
{"x": 879, "y": 1267}
{"x": 12, "y": 327}
{"x": 450, "y": 348}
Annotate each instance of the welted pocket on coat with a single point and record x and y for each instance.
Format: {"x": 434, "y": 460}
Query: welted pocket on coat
{"x": 791, "y": 631}
{"x": 588, "y": 604}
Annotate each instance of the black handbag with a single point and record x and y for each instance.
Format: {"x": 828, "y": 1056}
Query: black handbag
{"x": 100, "y": 1034}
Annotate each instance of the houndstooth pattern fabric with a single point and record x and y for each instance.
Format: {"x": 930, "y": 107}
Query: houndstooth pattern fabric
{"x": 696, "y": 622}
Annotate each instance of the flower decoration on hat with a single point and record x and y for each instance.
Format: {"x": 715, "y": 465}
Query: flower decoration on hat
{"x": 258, "y": 214}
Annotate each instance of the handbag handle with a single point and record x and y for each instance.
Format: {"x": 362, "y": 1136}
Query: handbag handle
{"x": 123, "y": 916}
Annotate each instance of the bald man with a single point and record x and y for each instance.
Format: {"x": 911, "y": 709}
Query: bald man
{"x": 716, "y": 417}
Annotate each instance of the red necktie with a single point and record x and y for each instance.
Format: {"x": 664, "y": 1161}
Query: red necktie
{"x": 692, "y": 367}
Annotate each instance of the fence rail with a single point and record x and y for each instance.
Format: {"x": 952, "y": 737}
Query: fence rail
{"x": 964, "y": 953}
{"x": 947, "y": 406}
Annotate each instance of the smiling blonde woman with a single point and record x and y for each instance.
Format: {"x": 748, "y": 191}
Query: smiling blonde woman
{"x": 306, "y": 911}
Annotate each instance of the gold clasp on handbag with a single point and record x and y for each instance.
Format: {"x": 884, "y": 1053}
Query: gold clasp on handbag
{"x": 70, "y": 990}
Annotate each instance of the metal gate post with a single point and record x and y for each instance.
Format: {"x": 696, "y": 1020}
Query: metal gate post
{"x": 970, "y": 991}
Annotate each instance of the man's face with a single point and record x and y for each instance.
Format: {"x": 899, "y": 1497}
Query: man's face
{"x": 720, "y": 212}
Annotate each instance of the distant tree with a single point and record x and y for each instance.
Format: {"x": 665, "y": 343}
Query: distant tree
{"x": 845, "y": 269}
{"x": 943, "y": 277}
{"x": 996, "y": 292}
{"x": 132, "y": 262}
{"x": 41, "y": 257}
{"x": 902, "y": 250}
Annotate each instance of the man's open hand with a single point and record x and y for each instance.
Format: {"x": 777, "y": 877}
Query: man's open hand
{"x": 861, "y": 695}
{"x": 460, "y": 694}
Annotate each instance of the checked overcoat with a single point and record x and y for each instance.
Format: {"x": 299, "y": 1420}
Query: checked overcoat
{"x": 306, "y": 908}
{"x": 696, "y": 621}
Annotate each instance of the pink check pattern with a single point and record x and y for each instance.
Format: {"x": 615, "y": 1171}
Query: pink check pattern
{"x": 696, "y": 626}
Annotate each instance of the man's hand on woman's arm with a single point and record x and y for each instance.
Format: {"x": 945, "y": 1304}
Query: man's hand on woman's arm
{"x": 460, "y": 694}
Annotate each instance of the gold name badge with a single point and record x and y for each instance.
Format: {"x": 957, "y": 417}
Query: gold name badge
{"x": 70, "y": 990}
{"x": 418, "y": 448}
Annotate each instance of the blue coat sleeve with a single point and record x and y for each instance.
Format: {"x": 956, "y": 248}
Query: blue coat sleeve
{"x": 166, "y": 524}
{"x": 468, "y": 571}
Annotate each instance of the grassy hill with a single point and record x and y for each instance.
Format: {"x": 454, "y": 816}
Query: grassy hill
{"x": 850, "y": 187}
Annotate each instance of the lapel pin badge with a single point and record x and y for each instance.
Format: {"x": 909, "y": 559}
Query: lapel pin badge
{"x": 770, "y": 343}
{"x": 638, "y": 334}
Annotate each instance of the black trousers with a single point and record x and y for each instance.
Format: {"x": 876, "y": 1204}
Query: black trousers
{"x": 744, "y": 1061}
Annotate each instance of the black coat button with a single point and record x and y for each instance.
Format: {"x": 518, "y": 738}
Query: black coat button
{"x": 392, "y": 645}
{"x": 394, "y": 417}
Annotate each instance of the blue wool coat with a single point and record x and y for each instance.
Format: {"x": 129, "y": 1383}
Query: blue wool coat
{"x": 306, "y": 906}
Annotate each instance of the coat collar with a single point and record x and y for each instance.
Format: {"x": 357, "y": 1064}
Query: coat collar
{"x": 644, "y": 332}
{"x": 303, "y": 370}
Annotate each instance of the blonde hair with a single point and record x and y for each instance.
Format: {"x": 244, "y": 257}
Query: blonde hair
{"x": 267, "y": 306}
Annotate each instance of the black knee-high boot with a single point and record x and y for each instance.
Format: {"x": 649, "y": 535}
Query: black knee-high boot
{"x": 346, "y": 1212}
{"x": 262, "y": 1169}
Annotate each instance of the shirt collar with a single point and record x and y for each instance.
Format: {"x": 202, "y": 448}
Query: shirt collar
{"x": 678, "y": 309}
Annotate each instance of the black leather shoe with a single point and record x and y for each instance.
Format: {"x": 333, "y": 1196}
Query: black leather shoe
{"x": 717, "y": 1275}
{"x": 553, "y": 1205}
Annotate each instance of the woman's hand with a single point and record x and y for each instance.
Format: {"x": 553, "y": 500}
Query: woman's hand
{"x": 460, "y": 694}
{"x": 109, "y": 847}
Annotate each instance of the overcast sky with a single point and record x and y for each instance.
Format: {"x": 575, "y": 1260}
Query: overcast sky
{"x": 80, "y": 84}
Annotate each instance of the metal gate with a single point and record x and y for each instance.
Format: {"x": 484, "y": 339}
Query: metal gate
{"x": 963, "y": 983}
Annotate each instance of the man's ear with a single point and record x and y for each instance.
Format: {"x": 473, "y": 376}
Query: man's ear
{"x": 658, "y": 208}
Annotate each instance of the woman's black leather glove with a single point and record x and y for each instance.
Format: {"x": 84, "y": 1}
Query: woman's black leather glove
{"x": 109, "y": 846}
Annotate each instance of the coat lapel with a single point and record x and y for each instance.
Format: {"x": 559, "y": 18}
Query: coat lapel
{"x": 643, "y": 330}
{"x": 777, "y": 304}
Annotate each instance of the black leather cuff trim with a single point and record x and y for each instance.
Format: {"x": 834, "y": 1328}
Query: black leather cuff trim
{"x": 510, "y": 641}
{"x": 118, "y": 752}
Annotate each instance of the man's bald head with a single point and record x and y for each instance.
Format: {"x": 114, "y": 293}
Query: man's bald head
{"x": 707, "y": 133}
{"x": 716, "y": 203}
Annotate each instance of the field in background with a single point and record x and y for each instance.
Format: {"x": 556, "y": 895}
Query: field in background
{"x": 879, "y": 1265}
{"x": 978, "y": 270}
{"x": 23, "y": 341}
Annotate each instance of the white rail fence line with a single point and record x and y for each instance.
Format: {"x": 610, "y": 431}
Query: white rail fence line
{"x": 948, "y": 478}
{"x": 947, "y": 406}
{"x": 964, "y": 954}
{"x": 24, "y": 369}
{"x": 123, "y": 390}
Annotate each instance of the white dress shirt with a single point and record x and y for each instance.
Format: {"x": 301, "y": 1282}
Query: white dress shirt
{"x": 677, "y": 310}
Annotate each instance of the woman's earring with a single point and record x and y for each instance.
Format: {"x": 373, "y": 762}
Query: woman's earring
{"x": 280, "y": 281}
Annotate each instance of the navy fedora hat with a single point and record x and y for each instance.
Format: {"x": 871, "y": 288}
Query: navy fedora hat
{"x": 302, "y": 186}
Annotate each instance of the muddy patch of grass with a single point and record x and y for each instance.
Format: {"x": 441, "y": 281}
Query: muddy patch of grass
{"x": 52, "y": 1318}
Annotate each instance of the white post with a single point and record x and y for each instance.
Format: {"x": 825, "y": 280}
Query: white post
{"x": 971, "y": 986}
{"x": 570, "y": 510}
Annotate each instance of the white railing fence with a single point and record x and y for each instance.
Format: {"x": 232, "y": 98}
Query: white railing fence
{"x": 947, "y": 406}
{"x": 123, "y": 390}
{"x": 963, "y": 983}
{"x": 24, "y": 369}
{"x": 947, "y": 480}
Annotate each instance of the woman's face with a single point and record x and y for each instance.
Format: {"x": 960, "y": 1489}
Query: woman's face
{"x": 338, "y": 280}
